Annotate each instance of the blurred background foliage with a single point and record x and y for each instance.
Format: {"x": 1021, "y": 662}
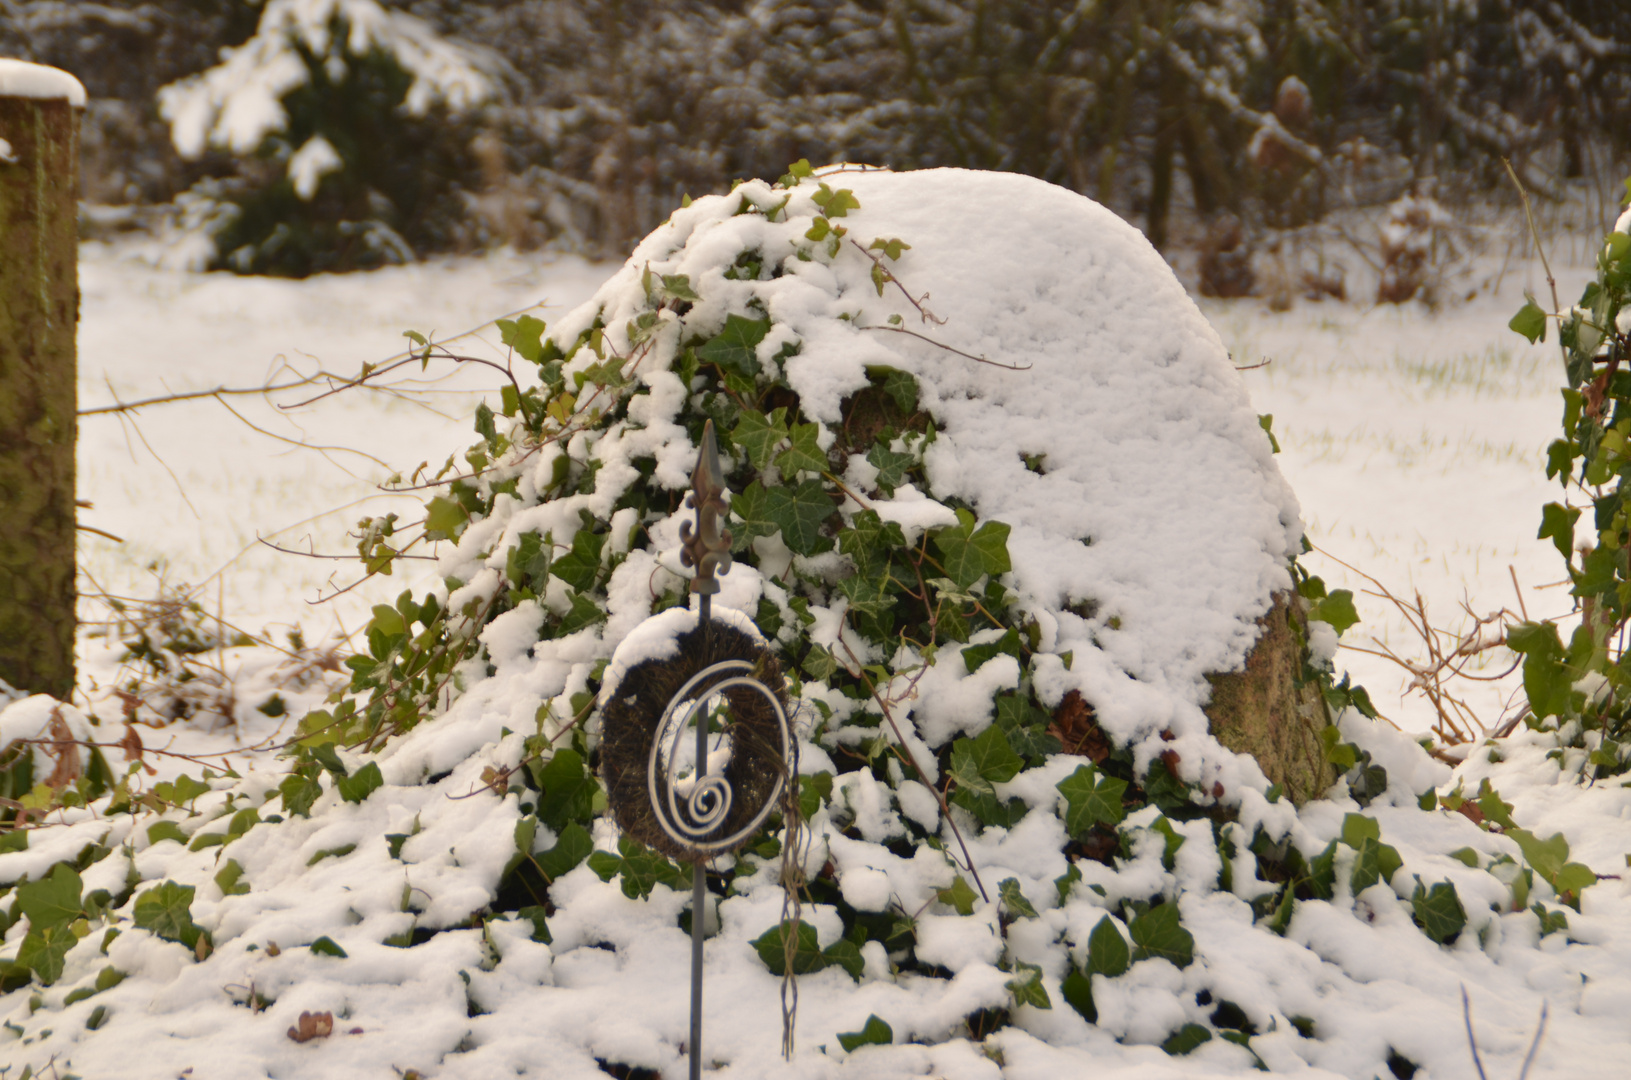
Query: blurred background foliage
{"x": 1205, "y": 122}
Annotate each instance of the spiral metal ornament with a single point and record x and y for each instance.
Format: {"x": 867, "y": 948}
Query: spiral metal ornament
{"x": 651, "y": 711}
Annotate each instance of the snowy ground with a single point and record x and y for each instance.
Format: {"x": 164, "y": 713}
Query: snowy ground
{"x": 1386, "y": 418}
{"x": 1414, "y": 439}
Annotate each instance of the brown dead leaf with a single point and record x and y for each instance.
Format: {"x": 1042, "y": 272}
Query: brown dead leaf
{"x": 312, "y": 1026}
{"x": 131, "y": 744}
{"x": 1077, "y": 730}
{"x": 64, "y": 749}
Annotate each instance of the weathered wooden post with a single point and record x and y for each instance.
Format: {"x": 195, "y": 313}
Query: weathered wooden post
{"x": 39, "y": 314}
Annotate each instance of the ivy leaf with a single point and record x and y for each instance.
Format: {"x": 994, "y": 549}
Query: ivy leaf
{"x": 581, "y": 566}
{"x": 1530, "y": 321}
{"x": 835, "y": 203}
{"x": 798, "y": 513}
{"x": 538, "y": 917}
{"x": 892, "y": 467}
{"x": 868, "y": 540}
{"x": 229, "y": 879}
{"x": 485, "y": 426}
{"x": 759, "y": 435}
{"x": 1062, "y": 884}
{"x": 845, "y": 954}
{"x": 958, "y": 895}
{"x": 772, "y": 949}
{"x": 967, "y": 552}
{"x": 735, "y": 348}
{"x": 527, "y": 565}
{"x": 1014, "y": 899}
{"x": 444, "y": 519}
{"x": 867, "y": 596}
{"x": 167, "y": 911}
{"x": 568, "y": 790}
{"x": 1377, "y": 862}
{"x": 986, "y": 759}
{"x": 804, "y": 454}
{"x": 1438, "y": 911}
{"x": 890, "y": 246}
{"x": 874, "y": 1033}
{"x": 1157, "y": 933}
{"x": 327, "y": 946}
{"x": 813, "y": 792}
{"x": 360, "y": 784}
{"x": 523, "y": 335}
{"x": 1496, "y": 809}
{"x": 1186, "y": 1039}
{"x": 819, "y": 663}
{"x": 572, "y": 846}
{"x": 975, "y": 656}
{"x": 1336, "y": 609}
{"x": 678, "y": 287}
{"x": 1091, "y": 798}
{"x": 44, "y": 951}
{"x": 1027, "y": 987}
{"x": 584, "y": 613}
{"x": 54, "y": 900}
{"x": 1078, "y": 991}
{"x": 300, "y": 789}
{"x": 1107, "y": 952}
{"x": 1547, "y": 681}
{"x": 1357, "y": 828}
{"x": 751, "y": 509}
{"x": 1557, "y": 523}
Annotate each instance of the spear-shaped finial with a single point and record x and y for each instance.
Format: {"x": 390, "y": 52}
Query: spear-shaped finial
{"x": 708, "y": 546}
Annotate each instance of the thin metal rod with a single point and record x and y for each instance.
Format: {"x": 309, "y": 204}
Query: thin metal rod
{"x": 699, "y": 876}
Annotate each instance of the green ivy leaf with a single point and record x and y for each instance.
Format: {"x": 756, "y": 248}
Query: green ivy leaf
{"x": 1547, "y": 681}
{"x": 568, "y": 790}
{"x": 54, "y": 900}
{"x": 835, "y": 203}
{"x": 958, "y": 895}
{"x": 1186, "y": 1039}
{"x": 967, "y": 553}
{"x": 580, "y": 567}
{"x": 1027, "y": 987}
{"x": 583, "y": 613}
{"x": 892, "y": 467}
{"x": 890, "y": 246}
{"x": 1438, "y": 911}
{"x": 572, "y": 846}
{"x": 1557, "y": 524}
{"x": 444, "y": 519}
{"x": 1013, "y": 899}
{"x": 1157, "y": 933}
{"x": 326, "y": 946}
{"x": 735, "y": 348}
{"x": 845, "y": 954}
{"x": 1091, "y": 798}
{"x": 874, "y": 1033}
{"x": 166, "y": 910}
{"x": 975, "y": 656}
{"x": 1063, "y": 883}
{"x": 772, "y": 949}
{"x": 804, "y": 455}
{"x": 1336, "y": 609}
{"x": 678, "y": 287}
{"x": 43, "y": 951}
{"x": 1107, "y": 951}
{"x": 1077, "y": 989}
{"x": 527, "y": 565}
{"x": 523, "y": 335}
{"x": 300, "y": 789}
{"x": 165, "y": 830}
{"x": 814, "y": 791}
{"x": 1530, "y": 321}
{"x": 229, "y": 879}
{"x": 759, "y": 435}
{"x": 360, "y": 784}
{"x": 798, "y": 513}
{"x": 985, "y": 760}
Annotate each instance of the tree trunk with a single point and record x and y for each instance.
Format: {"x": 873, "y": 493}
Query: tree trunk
{"x": 1266, "y": 711}
{"x": 39, "y": 314}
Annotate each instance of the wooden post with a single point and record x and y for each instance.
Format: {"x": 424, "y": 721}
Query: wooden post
{"x": 39, "y": 314}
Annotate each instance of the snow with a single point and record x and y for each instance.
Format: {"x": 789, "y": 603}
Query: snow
{"x": 18, "y": 78}
{"x": 482, "y": 998}
{"x": 315, "y": 159}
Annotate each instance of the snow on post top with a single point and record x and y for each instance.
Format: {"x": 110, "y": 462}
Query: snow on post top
{"x": 1151, "y": 527}
{"x": 18, "y": 78}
